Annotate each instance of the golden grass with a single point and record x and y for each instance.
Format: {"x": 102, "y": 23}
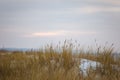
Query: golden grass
{"x": 50, "y": 64}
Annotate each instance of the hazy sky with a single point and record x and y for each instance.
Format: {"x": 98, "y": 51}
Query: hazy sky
{"x": 32, "y": 23}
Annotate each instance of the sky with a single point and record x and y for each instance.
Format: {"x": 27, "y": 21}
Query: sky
{"x": 34, "y": 23}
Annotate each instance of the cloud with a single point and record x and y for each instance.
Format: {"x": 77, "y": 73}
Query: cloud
{"x": 109, "y": 2}
{"x": 104, "y": 1}
{"x": 88, "y": 10}
{"x": 28, "y": 9}
{"x": 31, "y": 1}
{"x": 39, "y": 34}
{"x": 73, "y": 11}
{"x": 44, "y": 34}
{"x": 114, "y": 2}
{"x": 60, "y": 33}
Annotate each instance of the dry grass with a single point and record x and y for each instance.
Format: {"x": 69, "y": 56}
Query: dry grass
{"x": 50, "y": 64}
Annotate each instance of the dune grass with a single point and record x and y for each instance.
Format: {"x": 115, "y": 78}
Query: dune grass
{"x": 58, "y": 63}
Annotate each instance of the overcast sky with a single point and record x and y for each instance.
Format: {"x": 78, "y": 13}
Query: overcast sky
{"x": 33, "y": 23}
